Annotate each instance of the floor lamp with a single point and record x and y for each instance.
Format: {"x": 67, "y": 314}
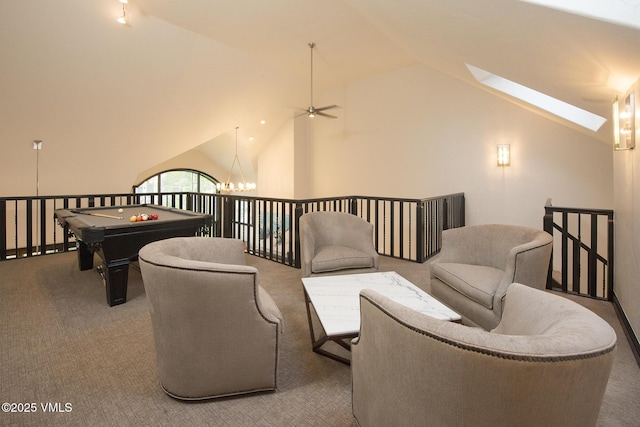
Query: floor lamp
{"x": 37, "y": 145}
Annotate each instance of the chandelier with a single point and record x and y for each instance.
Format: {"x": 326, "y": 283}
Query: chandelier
{"x": 230, "y": 187}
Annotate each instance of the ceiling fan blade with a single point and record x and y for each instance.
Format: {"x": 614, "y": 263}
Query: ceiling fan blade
{"x": 320, "y": 113}
{"x": 328, "y": 107}
{"x": 314, "y": 111}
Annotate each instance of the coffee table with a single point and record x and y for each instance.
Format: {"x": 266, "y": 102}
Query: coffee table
{"x": 336, "y": 303}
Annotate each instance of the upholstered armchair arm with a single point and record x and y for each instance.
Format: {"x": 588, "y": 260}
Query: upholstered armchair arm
{"x": 359, "y": 235}
{"x": 528, "y": 264}
{"x": 307, "y": 247}
{"x": 268, "y": 308}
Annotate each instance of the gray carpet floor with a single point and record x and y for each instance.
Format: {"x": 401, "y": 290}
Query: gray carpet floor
{"x": 81, "y": 362}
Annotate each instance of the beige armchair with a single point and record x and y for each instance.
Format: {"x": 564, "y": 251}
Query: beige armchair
{"x": 477, "y": 263}
{"x": 335, "y": 243}
{"x": 216, "y": 330}
{"x": 546, "y": 364}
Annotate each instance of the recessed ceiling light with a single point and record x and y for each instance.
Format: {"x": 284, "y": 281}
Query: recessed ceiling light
{"x": 548, "y": 103}
{"x": 251, "y": 138}
{"x": 263, "y": 122}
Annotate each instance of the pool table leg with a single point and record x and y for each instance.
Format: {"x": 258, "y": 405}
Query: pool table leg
{"x": 116, "y": 276}
{"x": 85, "y": 256}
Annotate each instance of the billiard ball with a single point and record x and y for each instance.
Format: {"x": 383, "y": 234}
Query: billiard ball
{"x": 133, "y": 218}
{"x": 120, "y": 210}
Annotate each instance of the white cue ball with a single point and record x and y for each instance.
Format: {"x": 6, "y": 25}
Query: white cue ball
{"x": 120, "y": 210}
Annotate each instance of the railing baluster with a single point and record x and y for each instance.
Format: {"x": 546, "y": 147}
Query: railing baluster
{"x": 3, "y": 230}
{"x": 593, "y": 252}
{"x": 29, "y": 227}
{"x": 579, "y": 246}
{"x": 43, "y": 225}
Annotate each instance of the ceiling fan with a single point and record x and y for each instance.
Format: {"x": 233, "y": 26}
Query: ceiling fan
{"x": 313, "y": 111}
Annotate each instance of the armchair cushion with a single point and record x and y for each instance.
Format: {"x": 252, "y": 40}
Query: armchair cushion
{"x": 332, "y": 258}
{"x": 476, "y": 282}
{"x": 336, "y": 243}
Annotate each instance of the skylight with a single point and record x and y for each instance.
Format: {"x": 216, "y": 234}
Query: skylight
{"x": 554, "y": 106}
{"x": 622, "y": 12}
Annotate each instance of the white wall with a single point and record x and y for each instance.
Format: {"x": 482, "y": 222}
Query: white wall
{"x": 419, "y": 133}
{"x": 110, "y": 101}
{"x": 627, "y": 227}
{"x": 275, "y": 165}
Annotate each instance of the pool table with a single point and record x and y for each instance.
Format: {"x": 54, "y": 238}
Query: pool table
{"x": 117, "y": 240}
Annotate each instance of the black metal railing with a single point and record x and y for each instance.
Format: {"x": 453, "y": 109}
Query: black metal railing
{"x": 403, "y": 228}
{"x": 582, "y": 260}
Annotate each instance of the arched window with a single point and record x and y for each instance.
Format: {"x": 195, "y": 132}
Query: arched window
{"x": 178, "y": 181}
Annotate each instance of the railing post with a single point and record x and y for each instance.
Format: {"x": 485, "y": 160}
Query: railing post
{"x": 593, "y": 253}
{"x": 420, "y": 232}
{"x": 353, "y": 206}
{"x": 298, "y": 213}
{"x": 29, "y": 225}
{"x": 610, "y": 256}
{"x": 445, "y": 214}
{"x": 43, "y": 225}
{"x": 565, "y": 251}
{"x": 3, "y": 230}
{"x": 219, "y": 215}
{"x": 547, "y": 225}
{"x": 227, "y": 217}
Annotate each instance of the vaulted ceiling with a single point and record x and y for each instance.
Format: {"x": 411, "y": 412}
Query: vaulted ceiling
{"x": 206, "y": 66}
{"x": 577, "y": 59}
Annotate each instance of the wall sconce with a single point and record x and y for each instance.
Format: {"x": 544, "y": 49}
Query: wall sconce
{"x": 504, "y": 155}
{"x": 624, "y": 122}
